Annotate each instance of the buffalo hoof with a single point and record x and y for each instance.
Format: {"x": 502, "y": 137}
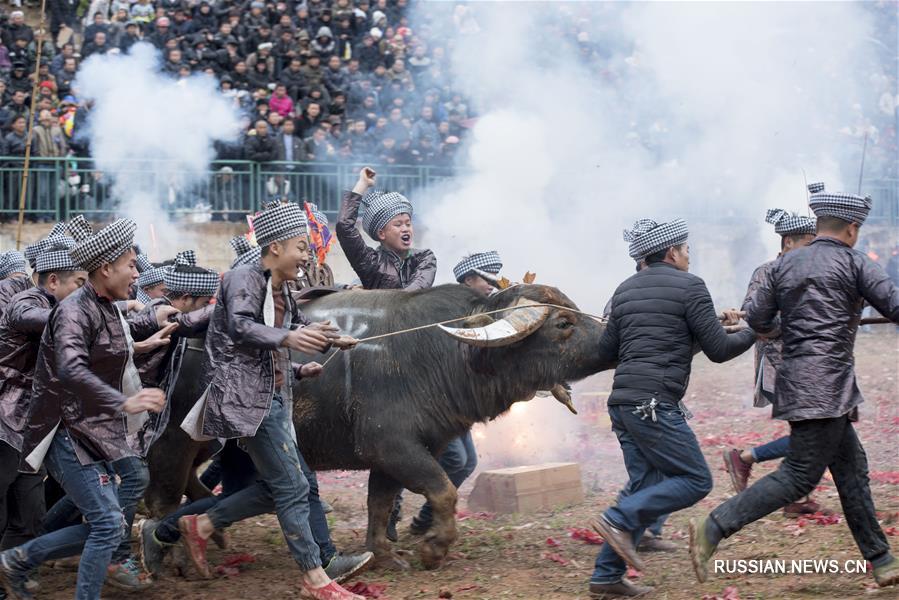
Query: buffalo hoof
{"x": 432, "y": 553}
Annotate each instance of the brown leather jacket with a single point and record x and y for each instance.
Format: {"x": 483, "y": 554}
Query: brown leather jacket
{"x": 819, "y": 292}
{"x": 78, "y": 378}
{"x": 154, "y": 366}
{"x": 381, "y": 269}
{"x": 20, "y": 337}
{"x": 11, "y": 286}
{"x": 239, "y": 365}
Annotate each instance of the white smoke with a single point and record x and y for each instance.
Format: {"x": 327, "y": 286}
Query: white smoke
{"x": 153, "y": 135}
{"x": 710, "y": 111}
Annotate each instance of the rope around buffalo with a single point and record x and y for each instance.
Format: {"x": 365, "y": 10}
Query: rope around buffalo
{"x": 448, "y": 321}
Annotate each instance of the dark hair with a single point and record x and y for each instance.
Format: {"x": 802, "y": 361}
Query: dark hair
{"x": 832, "y": 224}
{"x": 264, "y": 251}
{"x": 795, "y": 237}
{"x": 657, "y": 257}
{"x": 42, "y": 278}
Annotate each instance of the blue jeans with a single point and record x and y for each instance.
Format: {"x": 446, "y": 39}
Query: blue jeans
{"x": 92, "y": 488}
{"x": 133, "y": 480}
{"x": 772, "y": 450}
{"x": 459, "y": 459}
{"x": 277, "y": 459}
{"x": 667, "y": 473}
{"x": 235, "y": 470}
{"x": 255, "y": 499}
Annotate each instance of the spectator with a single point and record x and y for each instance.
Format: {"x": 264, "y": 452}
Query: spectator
{"x": 142, "y": 11}
{"x": 18, "y": 78}
{"x": 292, "y": 78}
{"x": 259, "y": 77}
{"x": 131, "y": 36}
{"x": 397, "y": 127}
{"x": 280, "y": 101}
{"x": 96, "y": 46}
{"x": 17, "y": 108}
{"x": 15, "y": 28}
{"x": 323, "y": 43}
{"x": 163, "y": 33}
{"x": 62, "y": 16}
{"x": 335, "y": 77}
{"x": 309, "y": 120}
{"x": 66, "y": 77}
{"x": 259, "y": 145}
{"x": 425, "y": 127}
{"x": 318, "y": 148}
{"x": 99, "y": 24}
{"x": 15, "y": 139}
{"x": 67, "y": 51}
{"x": 312, "y": 71}
{"x": 290, "y": 147}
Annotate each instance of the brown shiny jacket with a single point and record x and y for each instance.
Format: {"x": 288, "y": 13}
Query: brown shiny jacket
{"x": 78, "y": 377}
{"x": 11, "y": 286}
{"x": 21, "y": 327}
{"x": 381, "y": 269}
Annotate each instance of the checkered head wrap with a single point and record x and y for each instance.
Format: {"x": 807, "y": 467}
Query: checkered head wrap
{"x": 56, "y": 256}
{"x": 279, "y": 221}
{"x": 149, "y": 275}
{"x": 648, "y": 237}
{"x": 848, "y": 207}
{"x": 245, "y": 252}
{"x": 789, "y": 223}
{"x": 380, "y": 209}
{"x": 489, "y": 262}
{"x": 185, "y": 277}
{"x": 34, "y": 250}
{"x": 93, "y": 250}
{"x": 816, "y": 188}
{"x": 11, "y": 262}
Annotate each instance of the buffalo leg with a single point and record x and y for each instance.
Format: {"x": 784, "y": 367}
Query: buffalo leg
{"x": 419, "y": 472}
{"x": 382, "y": 489}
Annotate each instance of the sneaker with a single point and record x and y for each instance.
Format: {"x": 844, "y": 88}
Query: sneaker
{"x": 128, "y": 576}
{"x": 194, "y": 544}
{"x": 150, "y": 550}
{"x": 738, "y": 470}
{"x": 808, "y": 507}
{"x": 887, "y": 574}
{"x": 701, "y": 549}
{"x": 12, "y": 579}
{"x": 622, "y": 589}
{"x": 332, "y": 591}
{"x": 342, "y": 567}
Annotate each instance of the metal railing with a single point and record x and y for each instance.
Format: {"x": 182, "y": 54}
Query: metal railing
{"x": 228, "y": 190}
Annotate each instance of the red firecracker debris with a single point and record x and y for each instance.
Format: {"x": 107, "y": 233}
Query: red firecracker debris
{"x": 230, "y": 567}
{"x": 891, "y": 531}
{"x": 633, "y": 573}
{"x": 885, "y": 477}
{"x": 729, "y": 593}
{"x": 585, "y": 535}
{"x": 368, "y": 590}
{"x": 556, "y": 558}
{"x": 552, "y": 543}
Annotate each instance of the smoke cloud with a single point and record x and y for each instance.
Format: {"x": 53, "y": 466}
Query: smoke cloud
{"x": 707, "y": 111}
{"x": 153, "y": 136}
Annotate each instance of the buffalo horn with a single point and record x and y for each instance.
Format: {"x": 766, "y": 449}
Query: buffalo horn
{"x": 521, "y": 323}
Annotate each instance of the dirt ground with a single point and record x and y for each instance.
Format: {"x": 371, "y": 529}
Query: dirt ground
{"x": 535, "y": 555}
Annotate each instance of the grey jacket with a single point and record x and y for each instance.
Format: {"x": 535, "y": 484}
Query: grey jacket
{"x": 819, "y": 292}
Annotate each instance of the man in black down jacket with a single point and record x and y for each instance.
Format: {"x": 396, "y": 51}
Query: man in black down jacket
{"x": 819, "y": 292}
{"x": 658, "y": 315}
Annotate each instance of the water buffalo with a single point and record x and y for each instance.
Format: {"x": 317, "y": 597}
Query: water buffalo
{"x": 391, "y": 405}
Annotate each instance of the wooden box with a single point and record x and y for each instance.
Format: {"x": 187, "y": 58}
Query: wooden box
{"x": 527, "y": 489}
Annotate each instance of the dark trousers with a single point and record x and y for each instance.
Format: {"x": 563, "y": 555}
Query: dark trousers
{"x": 459, "y": 460}
{"x": 21, "y": 500}
{"x": 234, "y": 468}
{"x": 815, "y": 445}
{"x": 667, "y": 472}
{"x": 772, "y": 450}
